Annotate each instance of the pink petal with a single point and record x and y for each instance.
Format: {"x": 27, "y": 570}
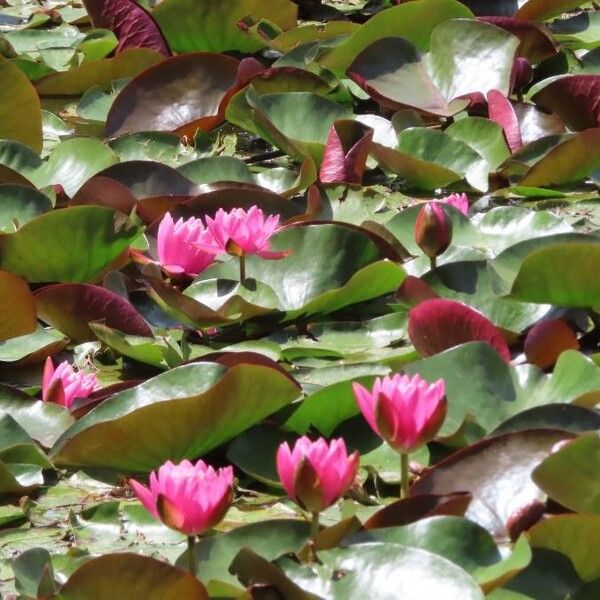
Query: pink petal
{"x": 286, "y": 468}
{"x": 147, "y": 498}
{"x": 47, "y": 377}
{"x": 366, "y": 403}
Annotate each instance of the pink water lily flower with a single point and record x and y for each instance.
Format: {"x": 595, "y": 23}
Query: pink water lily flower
{"x": 316, "y": 474}
{"x": 190, "y": 498}
{"x": 63, "y": 384}
{"x": 182, "y": 246}
{"x": 406, "y": 412}
{"x": 240, "y": 232}
{"x": 459, "y": 201}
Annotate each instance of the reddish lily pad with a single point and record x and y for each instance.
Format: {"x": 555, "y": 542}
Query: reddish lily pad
{"x": 536, "y": 42}
{"x": 502, "y": 112}
{"x": 105, "y": 578}
{"x": 346, "y": 152}
{"x": 133, "y": 26}
{"x": 181, "y": 94}
{"x": 70, "y": 307}
{"x": 546, "y": 340}
{"x": 149, "y": 179}
{"x": 438, "y": 324}
{"x": 574, "y": 98}
{"x": 497, "y": 472}
{"x": 104, "y": 191}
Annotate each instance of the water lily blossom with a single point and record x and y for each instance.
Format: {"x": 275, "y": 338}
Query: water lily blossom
{"x": 316, "y": 474}
{"x": 433, "y": 230}
{"x": 459, "y": 201}
{"x": 242, "y": 233}
{"x": 63, "y": 384}
{"x": 190, "y": 498}
{"x": 405, "y": 411}
{"x": 184, "y": 247}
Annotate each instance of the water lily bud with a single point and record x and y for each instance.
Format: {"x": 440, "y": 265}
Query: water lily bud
{"x": 522, "y": 73}
{"x": 316, "y": 474}
{"x": 406, "y": 412}
{"x": 433, "y": 229}
{"x": 190, "y": 498}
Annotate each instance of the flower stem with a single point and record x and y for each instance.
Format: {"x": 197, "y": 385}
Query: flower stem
{"x": 432, "y": 262}
{"x": 191, "y": 541}
{"x": 242, "y": 268}
{"x": 404, "y": 475}
{"x": 314, "y": 526}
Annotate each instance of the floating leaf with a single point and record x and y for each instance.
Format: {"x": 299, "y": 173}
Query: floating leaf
{"x": 501, "y": 111}
{"x": 133, "y": 26}
{"x": 213, "y": 26}
{"x": 105, "y": 577}
{"x": 17, "y": 307}
{"x": 556, "y": 269}
{"x": 97, "y": 237}
{"x": 376, "y": 567}
{"x": 411, "y": 21}
{"x": 440, "y": 83}
{"x": 438, "y": 324}
{"x": 541, "y": 10}
{"x": 572, "y": 535}
{"x": 573, "y": 98}
{"x": 71, "y": 307}
{"x": 20, "y": 115}
{"x": 497, "y": 472}
{"x": 180, "y": 94}
{"x": 546, "y": 340}
{"x": 192, "y": 409}
{"x": 97, "y": 72}
{"x": 569, "y": 475}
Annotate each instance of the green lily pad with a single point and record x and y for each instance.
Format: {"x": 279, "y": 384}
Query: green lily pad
{"x": 413, "y": 22}
{"x": 213, "y": 27}
{"x": 555, "y": 269}
{"x": 375, "y": 568}
{"x": 106, "y": 576}
{"x": 192, "y": 408}
{"x": 97, "y": 236}
{"x": 570, "y": 476}
{"x": 20, "y": 116}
